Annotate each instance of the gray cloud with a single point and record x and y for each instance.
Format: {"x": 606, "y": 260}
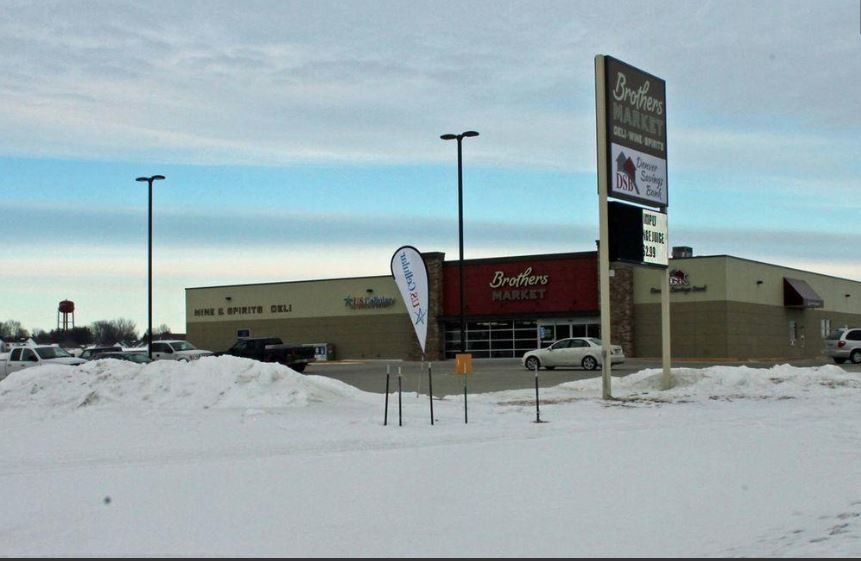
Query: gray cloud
{"x": 279, "y": 82}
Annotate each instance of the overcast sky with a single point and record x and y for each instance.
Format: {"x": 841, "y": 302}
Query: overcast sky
{"x": 300, "y": 140}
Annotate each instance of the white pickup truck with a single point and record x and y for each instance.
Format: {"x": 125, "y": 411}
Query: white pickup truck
{"x": 25, "y": 357}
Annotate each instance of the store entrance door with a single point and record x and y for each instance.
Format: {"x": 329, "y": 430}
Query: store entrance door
{"x": 549, "y": 332}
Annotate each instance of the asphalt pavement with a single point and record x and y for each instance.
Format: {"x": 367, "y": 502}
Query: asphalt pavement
{"x": 496, "y": 374}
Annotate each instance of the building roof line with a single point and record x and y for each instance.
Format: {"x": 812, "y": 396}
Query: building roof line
{"x": 763, "y": 263}
{"x": 291, "y": 282}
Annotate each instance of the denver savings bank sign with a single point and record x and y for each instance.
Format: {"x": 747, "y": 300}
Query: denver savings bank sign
{"x": 524, "y": 286}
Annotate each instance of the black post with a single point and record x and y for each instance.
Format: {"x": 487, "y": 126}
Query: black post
{"x": 386, "y": 414}
{"x": 149, "y": 181}
{"x": 430, "y": 390}
{"x": 460, "y": 237}
{"x": 149, "y": 276}
{"x": 400, "y": 414}
{"x": 537, "y": 409}
{"x": 465, "y": 413}
{"x": 459, "y": 138}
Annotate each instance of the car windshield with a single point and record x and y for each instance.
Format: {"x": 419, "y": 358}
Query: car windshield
{"x": 51, "y": 352}
{"x": 836, "y": 334}
{"x": 183, "y": 346}
{"x": 594, "y": 341}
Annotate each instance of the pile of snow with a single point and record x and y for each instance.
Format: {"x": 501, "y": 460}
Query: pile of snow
{"x": 687, "y": 385}
{"x": 210, "y": 382}
{"x": 731, "y": 382}
{"x": 232, "y": 382}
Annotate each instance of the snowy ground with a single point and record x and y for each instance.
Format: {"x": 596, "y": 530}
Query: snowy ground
{"x": 230, "y": 457}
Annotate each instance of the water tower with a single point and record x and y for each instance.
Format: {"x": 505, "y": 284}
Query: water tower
{"x": 67, "y": 311}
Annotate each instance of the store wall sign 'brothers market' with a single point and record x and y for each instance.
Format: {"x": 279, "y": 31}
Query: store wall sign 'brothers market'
{"x": 523, "y": 286}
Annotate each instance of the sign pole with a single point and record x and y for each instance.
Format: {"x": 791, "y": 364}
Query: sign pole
{"x": 631, "y": 121}
{"x": 604, "y": 235}
{"x": 666, "y": 379}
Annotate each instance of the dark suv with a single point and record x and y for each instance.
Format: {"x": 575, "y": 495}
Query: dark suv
{"x": 844, "y": 343}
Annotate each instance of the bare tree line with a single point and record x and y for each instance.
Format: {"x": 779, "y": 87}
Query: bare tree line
{"x": 103, "y": 332}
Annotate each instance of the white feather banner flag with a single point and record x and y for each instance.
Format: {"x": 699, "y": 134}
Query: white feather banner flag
{"x": 411, "y": 276}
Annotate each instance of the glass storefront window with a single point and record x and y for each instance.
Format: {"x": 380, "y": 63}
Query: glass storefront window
{"x": 511, "y": 338}
{"x": 477, "y": 345}
{"x": 525, "y": 335}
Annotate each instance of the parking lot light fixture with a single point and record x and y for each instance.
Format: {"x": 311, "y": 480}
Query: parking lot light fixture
{"x": 149, "y": 181}
{"x": 459, "y": 138}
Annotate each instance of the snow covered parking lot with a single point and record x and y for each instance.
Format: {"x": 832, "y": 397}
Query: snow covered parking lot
{"x": 226, "y": 457}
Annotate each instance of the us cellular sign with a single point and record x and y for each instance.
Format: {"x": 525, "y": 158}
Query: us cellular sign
{"x": 636, "y": 109}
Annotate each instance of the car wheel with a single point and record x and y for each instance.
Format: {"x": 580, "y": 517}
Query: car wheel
{"x": 532, "y": 363}
{"x": 589, "y": 363}
{"x": 182, "y": 359}
{"x": 298, "y": 368}
{"x": 839, "y": 360}
{"x": 855, "y": 357}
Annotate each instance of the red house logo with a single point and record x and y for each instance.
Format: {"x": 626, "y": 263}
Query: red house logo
{"x": 678, "y": 278}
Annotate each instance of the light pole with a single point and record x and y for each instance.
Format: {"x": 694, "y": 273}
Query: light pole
{"x": 459, "y": 138}
{"x": 149, "y": 180}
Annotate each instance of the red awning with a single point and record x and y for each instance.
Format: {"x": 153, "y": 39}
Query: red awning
{"x": 798, "y": 294}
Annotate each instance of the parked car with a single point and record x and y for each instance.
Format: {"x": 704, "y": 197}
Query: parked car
{"x": 26, "y": 357}
{"x": 91, "y": 353}
{"x": 177, "y": 350}
{"x": 574, "y": 351}
{"x": 131, "y": 356}
{"x": 273, "y": 349}
{"x": 844, "y": 343}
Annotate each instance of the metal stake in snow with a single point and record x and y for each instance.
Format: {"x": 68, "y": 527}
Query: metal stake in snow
{"x": 430, "y": 390}
{"x": 537, "y": 408}
{"x": 465, "y": 412}
{"x": 400, "y": 415}
{"x": 386, "y": 414}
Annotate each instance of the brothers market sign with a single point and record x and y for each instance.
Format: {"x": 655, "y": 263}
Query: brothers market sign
{"x": 523, "y": 286}
{"x": 636, "y": 105}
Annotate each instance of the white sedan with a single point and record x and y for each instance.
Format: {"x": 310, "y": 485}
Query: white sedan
{"x": 576, "y": 351}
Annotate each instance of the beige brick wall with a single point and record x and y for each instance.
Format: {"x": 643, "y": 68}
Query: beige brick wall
{"x": 381, "y": 336}
{"x": 735, "y": 330}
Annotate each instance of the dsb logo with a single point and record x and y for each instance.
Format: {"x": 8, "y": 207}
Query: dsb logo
{"x": 624, "y": 182}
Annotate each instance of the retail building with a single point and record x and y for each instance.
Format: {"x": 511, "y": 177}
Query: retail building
{"x": 722, "y": 307}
